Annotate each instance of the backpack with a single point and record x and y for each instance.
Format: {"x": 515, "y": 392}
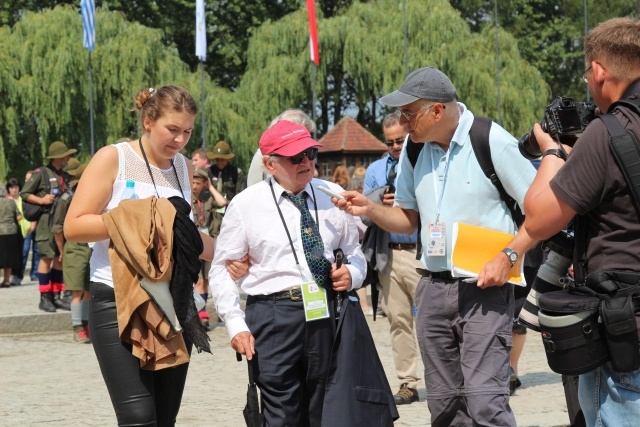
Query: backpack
{"x": 32, "y": 211}
{"x": 479, "y": 134}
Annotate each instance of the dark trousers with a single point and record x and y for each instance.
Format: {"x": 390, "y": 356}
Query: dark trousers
{"x": 139, "y": 397}
{"x": 291, "y": 361}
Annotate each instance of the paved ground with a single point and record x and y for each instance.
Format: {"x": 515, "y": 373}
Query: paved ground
{"x": 45, "y": 378}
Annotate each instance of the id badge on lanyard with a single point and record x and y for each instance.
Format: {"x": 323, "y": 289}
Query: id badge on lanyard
{"x": 437, "y": 245}
{"x": 314, "y": 299}
{"x": 437, "y": 242}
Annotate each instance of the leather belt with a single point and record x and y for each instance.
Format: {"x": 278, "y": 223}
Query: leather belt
{"x": 446, "y": 275}
{"x": 402, "y": 246}
{"x": 291, "y": 294}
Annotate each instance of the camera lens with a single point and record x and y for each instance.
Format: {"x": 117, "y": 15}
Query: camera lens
{"x": 529, "y": 147}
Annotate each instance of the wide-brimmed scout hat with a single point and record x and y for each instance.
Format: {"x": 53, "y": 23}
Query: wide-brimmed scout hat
{"x": 200, "y": 173}
{"x": 221, "y": 151}
{"x": 423, "y": 83}
{"x": 77, "y": 173}
{"x": 73, "y": 163}
{"x": 58, "y": 150}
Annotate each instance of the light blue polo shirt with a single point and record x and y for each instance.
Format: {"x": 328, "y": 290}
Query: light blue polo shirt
{"x": 469, "y": 196}
{"x": 375, "y": 177}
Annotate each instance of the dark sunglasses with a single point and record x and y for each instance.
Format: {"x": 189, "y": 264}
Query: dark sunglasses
{"x": 311, "y": 154}
{"x": 390, "y": 142}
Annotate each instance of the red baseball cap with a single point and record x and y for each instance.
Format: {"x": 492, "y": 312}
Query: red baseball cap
{"x": 286, "y": 139}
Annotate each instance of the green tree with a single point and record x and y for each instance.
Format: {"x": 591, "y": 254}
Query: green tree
{"x": 48, "y": 86}
{"x": 362, "y": 59}
{"x": 549, "y": 33}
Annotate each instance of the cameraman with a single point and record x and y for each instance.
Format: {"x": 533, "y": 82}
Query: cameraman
{"x": 591, "y": 185}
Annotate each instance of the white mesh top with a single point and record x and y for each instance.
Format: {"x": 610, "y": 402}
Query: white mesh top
{"x": 131, "y": 166}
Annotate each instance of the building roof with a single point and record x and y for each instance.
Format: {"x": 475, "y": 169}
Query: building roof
{"x": 348, "y": 136}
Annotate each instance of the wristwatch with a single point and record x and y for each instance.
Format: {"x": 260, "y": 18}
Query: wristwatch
{"x": 556, "y": 152}
{"x": 511, "y": 255}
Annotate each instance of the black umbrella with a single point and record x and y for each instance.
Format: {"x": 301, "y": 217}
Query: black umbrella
{"x": 251, "y": 411}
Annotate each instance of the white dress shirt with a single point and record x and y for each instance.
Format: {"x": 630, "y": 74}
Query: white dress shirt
{"x": 252, "y": 225}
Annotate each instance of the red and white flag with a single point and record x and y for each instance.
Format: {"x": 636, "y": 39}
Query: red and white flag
{"x": 313, "y": 32}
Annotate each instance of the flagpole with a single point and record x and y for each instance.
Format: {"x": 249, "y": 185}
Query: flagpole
{"x": 314, "y": 54}
{"x": 313, "y": 97}
{"x": 204, "y": 142}
{"x": 201, "y": 53}
{"x": 88, "y": 12}
{"x": 495, "y": 12}
{"x": 91, "y": 104}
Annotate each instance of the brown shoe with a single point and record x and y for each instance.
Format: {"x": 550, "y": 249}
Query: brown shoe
{"x": 406, "y": 395}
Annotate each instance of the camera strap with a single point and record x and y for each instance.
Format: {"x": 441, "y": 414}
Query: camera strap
{"x": 625, "y": 149}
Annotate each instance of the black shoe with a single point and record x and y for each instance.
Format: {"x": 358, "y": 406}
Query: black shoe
{"x": 59, "y": 302}
{"x": 46, "y": 304}
{"x": 406, "y": 395}
{"x": 514, "y": 382}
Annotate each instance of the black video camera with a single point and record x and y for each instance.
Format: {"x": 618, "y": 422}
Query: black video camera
{"x": 563, "y": 120}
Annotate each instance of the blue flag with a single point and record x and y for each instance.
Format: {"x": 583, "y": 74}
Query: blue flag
{"x": 88, "y": 9}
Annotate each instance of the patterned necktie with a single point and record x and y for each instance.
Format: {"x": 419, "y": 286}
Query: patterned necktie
{"x": 311, "y": 240}
{"x": 391, "y": 175}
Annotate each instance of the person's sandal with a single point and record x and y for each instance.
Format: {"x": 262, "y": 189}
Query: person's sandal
{"x": 5, "y": 285}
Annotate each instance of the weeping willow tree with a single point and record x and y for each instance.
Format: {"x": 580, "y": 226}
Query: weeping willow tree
{"x": 8, "y": 119}
{"x": 362, "y": 58}
{"x": 49, "y": 85}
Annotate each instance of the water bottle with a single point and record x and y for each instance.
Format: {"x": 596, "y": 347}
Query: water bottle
{"x": 130, "y": 191}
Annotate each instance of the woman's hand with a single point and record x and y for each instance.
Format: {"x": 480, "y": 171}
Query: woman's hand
{"x": 238, "y": 268}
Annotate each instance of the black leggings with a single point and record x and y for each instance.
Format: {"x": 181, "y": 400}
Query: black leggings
{"x": 139, "y": 397}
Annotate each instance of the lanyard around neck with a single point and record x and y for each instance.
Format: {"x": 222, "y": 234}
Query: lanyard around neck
{"x": 434, "y": 172}
{"x": 144, "y": 155}
{"x": 284, "y": 223}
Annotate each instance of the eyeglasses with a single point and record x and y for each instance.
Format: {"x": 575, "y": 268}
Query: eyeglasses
{"x": 311, "y": 154}
{"x": 410, "y": 116}
{"x": 391, "y": 142}
{"x": 584, "y": 75}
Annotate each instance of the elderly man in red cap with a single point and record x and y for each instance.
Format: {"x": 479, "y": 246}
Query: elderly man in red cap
{"x": 289, "y": 229}
{"x": 43, "y": 188}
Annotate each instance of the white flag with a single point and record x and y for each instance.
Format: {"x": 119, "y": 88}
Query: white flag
{"x": 201, "y": 33}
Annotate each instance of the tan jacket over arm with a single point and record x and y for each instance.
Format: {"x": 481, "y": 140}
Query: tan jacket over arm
{"x": 141, "y": 233}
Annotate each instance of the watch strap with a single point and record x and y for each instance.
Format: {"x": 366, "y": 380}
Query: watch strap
{"x": 556, "y": 152}
{"x": 512, "y": 255}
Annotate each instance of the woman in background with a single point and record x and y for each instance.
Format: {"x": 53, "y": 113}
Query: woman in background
{"x": 10, "y": 235}
{"x": 341, "y": 176}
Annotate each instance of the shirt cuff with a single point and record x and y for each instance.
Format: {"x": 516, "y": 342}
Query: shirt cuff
{"x": 235, "y": 326}
{"x": 356, "y": 277}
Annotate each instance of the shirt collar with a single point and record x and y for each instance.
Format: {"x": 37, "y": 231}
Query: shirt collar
{"x": 278, "y": 189}
{"x": 461, "y": 135}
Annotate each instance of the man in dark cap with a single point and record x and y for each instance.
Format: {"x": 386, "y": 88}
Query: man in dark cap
{"x": 45, "y": 185}
{"x": 463, "y": 329}
{"x": 227, "y": 179}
